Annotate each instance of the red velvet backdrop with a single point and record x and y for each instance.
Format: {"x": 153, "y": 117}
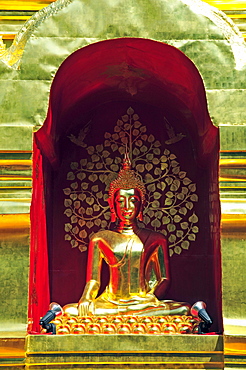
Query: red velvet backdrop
{"x": 39, "y": 295}
{"x": 96, "y": 85}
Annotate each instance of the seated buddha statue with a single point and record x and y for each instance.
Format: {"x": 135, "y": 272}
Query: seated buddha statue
{"x": 137, "y": 259}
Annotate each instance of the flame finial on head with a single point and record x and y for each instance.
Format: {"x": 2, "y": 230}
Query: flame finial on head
{"x": 127, "y": 179}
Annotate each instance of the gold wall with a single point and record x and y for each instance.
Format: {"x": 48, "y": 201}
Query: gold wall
{"x": 16, "y": 187}
{"x": 14, "y": 13}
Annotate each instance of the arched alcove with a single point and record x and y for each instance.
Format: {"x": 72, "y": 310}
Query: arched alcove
{"x": 96, "y": 91}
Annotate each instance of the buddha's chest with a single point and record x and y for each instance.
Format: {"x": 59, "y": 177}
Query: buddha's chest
{"x": 122, "y": 250}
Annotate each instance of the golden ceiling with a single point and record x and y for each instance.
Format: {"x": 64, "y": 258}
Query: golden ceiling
{"x": 14, "y": 13}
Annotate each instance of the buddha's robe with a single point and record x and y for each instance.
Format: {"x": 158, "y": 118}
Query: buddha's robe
{"x": 138, "y": 266}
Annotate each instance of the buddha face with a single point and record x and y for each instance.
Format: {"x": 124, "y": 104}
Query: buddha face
{"x": 127, "y": 204}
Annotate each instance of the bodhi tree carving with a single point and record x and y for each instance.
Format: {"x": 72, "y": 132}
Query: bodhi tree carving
{"x": 170, "y": 194}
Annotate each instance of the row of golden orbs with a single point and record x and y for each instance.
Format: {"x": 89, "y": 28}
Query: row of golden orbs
{"x": 126, "y": 325}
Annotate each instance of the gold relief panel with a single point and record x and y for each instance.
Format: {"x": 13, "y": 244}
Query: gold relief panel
{"x": 86, "y": 204}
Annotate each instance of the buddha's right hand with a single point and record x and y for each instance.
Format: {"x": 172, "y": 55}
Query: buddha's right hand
{"x": 84, "y": 307}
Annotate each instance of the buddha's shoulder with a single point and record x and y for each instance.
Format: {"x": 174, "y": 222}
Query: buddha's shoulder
{"x": 104, "y": 235}
{"x": 152, "y": 235}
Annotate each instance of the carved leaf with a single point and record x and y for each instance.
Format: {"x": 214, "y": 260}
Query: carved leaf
{"x": 189, "y": 205}
{"x": 95, "y": 188}
{"x": 81, "y": 176}
{"x": 68, "y": 212}
{"x": 192, "y": 187}
{"x": 99, "y": 148}
{"x": 179, "y": 233}
{"x": 74, "y": 243}
{"x": 151, "y": 138}
{"x": 81, "y": 222}
{"x": 74, "y": 165}
{"x": 70, "y": 176}
{"x": 186, "y": 181}
{"x": 89, "y": 210}
{"x": 177, "y": 249}
{"x": 67, "y": 202}
{"x": 155, "y": 223}
{"x": 99, "y": 165}
{"x": 137, "y": 124}
{"x": 67, "y": 191}
{"x": 194, "y": 197}
{"x": 82, "y": 234}
{"x": 164, "y": 166}
{"x": 171, "y": 227}
{"x": 77, "y": 204}
{"x": 177, "y": 218}
{"x": 95, "y": 158}
{"x": 139, "y": 142}
{"x": 149, "y": 166}
{"x": 130, "y": 111}
{"x": 140, "y": 167}
{"x": 195, "y": 229}
{"x": 161, "y": 185}
{"x": 172, "y": 238}
{"x": 165, "y": 220}
{"x": 156, "y": 151}
{"x": 75, "y": 230}
{"x": 185, "y": 244}
{"x": 74, "y": 219}
{"x": 173, "y": 211}
{"x": 193, "y": 218}
{"x": 68, "y": 227}
{"x": 184, "y": 225}
{"x": 156, "y": 194}
{"x": 82, "y": 196}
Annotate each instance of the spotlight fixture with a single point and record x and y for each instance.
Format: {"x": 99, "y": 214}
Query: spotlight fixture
{"x": 54, "y": 310}
{"x": 199, "y": 310}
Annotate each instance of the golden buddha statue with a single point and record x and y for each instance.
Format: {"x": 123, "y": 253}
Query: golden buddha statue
{"x": 137, "y": 260}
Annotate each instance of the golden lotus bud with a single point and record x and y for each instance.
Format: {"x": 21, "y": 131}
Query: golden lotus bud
{"x": 138, "y": 328}
{"x": 108, "y": 329}
{"x": 78, "y": 329}
{"x": 153, "y": 328}
{"x": 123, "y": 328}
{"x": 146, "y": 319}
{"x": 161, "y": 319}
{"x": 85, "y": 319}
{"x": 71, "y": 320}
{"x": 101, "y": 319}
{"x": 184, "y": 328}
{"x": 131, "y": 319}
{"x": 116, "y": 319}
{"x": 57, "y": 321}
{"x": 63, "y": 329}
{"x": 168, "y": 328}
{"x": 93, "y": 328}
{"x": 177, "y": 319}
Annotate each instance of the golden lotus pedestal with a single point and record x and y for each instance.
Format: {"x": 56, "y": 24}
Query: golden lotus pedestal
{"x": 129, "y": 351}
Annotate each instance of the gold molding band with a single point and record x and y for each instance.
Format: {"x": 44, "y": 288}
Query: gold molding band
{"x": 15, "y": 221}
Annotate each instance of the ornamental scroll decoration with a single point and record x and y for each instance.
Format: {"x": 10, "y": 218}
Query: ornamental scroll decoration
{"x": 170, "y": 196}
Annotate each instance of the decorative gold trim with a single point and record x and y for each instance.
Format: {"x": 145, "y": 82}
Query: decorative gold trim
{"x": 24, "y": 5}
{"x": 233, "y": 225}
{"x": 14, "y": 17}
{"x": 15, "y": 151}
{"x": 14, "y": 178}
{"x": 232, "y": 162}
{"x": 16, "y": 221}
{"x": 130, "y": 352}
{"x": 209, "y": 365}
{"x": 15, "y": 162}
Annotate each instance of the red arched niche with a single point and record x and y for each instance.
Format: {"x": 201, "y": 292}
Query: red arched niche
{"x": 96, "y": 84}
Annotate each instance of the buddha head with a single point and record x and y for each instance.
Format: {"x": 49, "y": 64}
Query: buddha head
{"x": 126, "y": 194}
